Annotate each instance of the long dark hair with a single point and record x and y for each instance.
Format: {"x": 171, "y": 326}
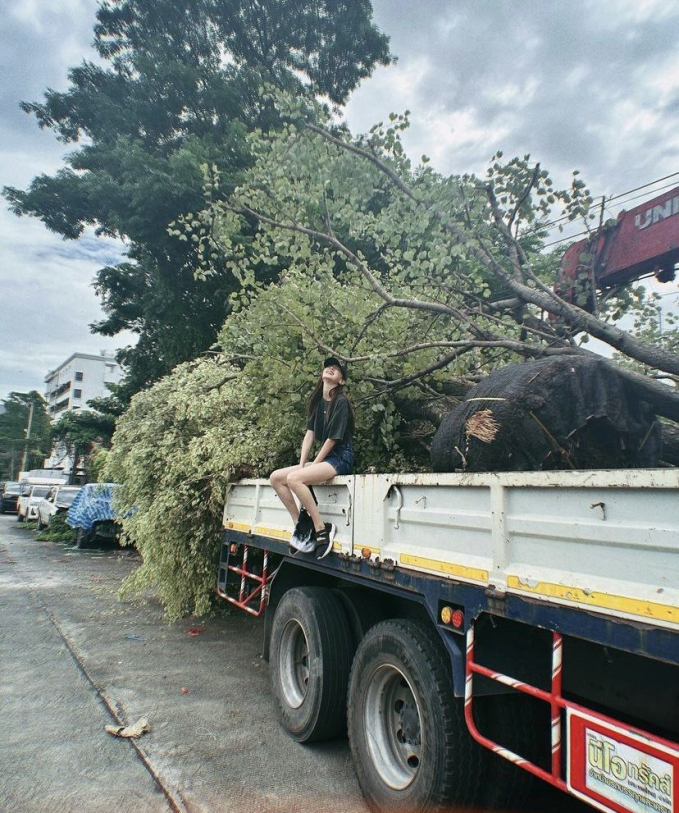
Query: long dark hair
{"x": 335, "y": 393}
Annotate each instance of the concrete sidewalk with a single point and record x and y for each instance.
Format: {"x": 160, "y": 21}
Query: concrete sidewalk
{"x": 74, "y": 659}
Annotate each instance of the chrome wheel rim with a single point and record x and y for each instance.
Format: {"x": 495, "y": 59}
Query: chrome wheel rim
{"x": 293, "y": 664}
{"x": 393, "y": 727}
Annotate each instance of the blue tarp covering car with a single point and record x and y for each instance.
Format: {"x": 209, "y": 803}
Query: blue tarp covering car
{"x": 94, "y": 503}
{"x": 92, "y": 515}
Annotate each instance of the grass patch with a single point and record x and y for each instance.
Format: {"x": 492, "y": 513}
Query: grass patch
{"x": 57, "y": 530}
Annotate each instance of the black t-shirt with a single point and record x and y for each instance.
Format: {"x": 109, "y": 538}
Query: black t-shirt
{"x": 336, "y": 426}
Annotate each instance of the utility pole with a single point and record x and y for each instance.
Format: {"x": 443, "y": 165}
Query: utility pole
{"x": 28, "y": 437}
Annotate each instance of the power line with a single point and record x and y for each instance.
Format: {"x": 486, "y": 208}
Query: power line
{"x": 558, "y": 220}
{"x": 564, "y": 239}
{"x": 631, "y": 200}
{"x": 616, "y": 197}
{"x": 645, "y": 186}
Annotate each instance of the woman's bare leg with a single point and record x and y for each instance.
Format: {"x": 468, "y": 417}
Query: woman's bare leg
{"x": 279, "y": 483}
{"x": 299, "y": 480}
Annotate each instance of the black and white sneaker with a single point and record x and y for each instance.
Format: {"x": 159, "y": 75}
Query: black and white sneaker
{"x": 303, "y": 533}
{"x": 306, "y": 546}
{"x": 324, "y": 540}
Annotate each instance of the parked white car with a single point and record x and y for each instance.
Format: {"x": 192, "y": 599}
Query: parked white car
{"x": 27, "y": 504}
{"x": 58, "y": 498}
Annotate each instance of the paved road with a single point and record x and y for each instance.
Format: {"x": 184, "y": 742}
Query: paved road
{"x": 73, "y": 659}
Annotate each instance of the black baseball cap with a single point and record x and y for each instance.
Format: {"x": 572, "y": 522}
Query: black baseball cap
{"x": 335, "y": 362}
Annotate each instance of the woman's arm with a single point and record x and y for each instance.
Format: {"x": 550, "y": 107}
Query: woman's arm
{"x": 326, "y": 448}
{"x": 307, "y": 443}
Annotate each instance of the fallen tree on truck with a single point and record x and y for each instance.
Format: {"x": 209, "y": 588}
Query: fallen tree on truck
{"x": 462, "y": 252}
{"x": 422, "y": 284}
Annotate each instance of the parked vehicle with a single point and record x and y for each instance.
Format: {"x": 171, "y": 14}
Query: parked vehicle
{"x": 44, "y": 476}
{"x": 9, "y": 496}
{"x": 641, "y": 241}
{"x": 27, "y": 504}
{"x": 58, "y": 498}
{"x": 92, "y": 515}
{"x": 470, "y": 621}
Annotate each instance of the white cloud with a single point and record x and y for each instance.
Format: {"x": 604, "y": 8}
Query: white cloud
{"x": 46, "y": 297}
{"x": 590, "y": 84}
{"x": 47, "y": 301}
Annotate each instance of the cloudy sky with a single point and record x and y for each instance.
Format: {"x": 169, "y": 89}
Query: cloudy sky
{"x": 590, "y": 85}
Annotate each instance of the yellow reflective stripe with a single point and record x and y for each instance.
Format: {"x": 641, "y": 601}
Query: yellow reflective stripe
{"x": 261, "y": 530}
{"x": 238, "y": 526}
{"x": 450, "y": 568}
{"x": 607, "y": 601}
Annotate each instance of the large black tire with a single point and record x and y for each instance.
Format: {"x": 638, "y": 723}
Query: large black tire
{"x": 409, "y": 742}
{"x": 20, "y": 518}
{"x": 362, "y": 608}
{"x": 40, "y": 524}
{"x": 311, "y": 652}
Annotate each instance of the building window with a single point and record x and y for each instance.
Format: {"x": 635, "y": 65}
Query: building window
{"x": 77, "y": 393}
{"x": 78, "y": 376}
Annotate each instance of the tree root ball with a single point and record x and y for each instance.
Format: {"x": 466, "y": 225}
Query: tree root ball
{"x": 562, "y": 412}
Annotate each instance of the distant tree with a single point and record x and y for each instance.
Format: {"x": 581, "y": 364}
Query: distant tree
{"x": 179, "y": 92}
{"x": 13, "y": 428}
{"x": 79, "y": 434}
{"x": 84, "y": 427}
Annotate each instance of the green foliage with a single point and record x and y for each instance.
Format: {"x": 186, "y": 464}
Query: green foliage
{"x": 58, "y": 530}
{"x": 324, "y": 210}
{"x": 83, "y": 427}
{"x": 176, "y": 89}
{"x": 405, "y": 286}
{"x": 81, "y": 435}
{"x": 96, "y": 463}
{"x": 174, "y": 451}
{"x": 13, "y": 426}
{"x": 651, "y": 320}
{"x": 241, "y": 411}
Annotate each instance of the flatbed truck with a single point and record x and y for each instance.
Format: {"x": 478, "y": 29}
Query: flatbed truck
{"x": 473, "y": 630}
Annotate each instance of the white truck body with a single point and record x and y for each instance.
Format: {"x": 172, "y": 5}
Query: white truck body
{"x": 606, "y": 541}
{"x": 560, "y": 590}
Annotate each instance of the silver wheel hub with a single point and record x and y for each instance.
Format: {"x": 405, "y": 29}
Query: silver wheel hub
{"x": 293, "y": 664}
{"x": 392, "y": 725}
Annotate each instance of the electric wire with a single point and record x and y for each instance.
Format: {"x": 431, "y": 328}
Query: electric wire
{"x": 614, "y": 198}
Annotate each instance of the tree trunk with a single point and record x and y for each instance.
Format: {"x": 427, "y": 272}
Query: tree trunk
{"x": 670, "y": 444}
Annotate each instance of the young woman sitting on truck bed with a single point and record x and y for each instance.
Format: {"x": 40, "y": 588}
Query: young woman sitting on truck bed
{"x": 330, "y": 420}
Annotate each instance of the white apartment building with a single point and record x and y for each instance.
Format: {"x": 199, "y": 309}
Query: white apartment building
{"x": 81, "y": 377}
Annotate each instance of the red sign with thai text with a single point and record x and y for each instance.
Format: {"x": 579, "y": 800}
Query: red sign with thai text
{"x": 620, "y": 770}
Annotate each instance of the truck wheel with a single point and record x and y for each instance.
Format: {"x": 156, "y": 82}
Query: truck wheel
{"x": 362, "y": 609}
{"x": 40, "y": 525}
{"x": 409, "y": 742}
{"x": 19, "y": 517}
{"x": 311, "y": 652}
